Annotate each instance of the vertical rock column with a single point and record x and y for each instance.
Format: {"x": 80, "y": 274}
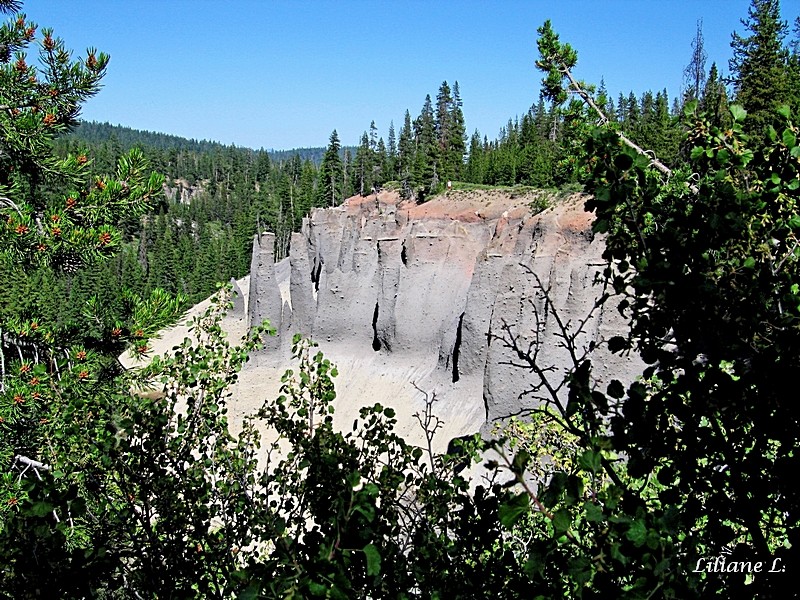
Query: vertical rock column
{"x": 265, "y": 302}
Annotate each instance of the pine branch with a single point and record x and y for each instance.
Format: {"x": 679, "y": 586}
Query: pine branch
{"x": 576, "y": 87}
{"x": 557, "y": 59}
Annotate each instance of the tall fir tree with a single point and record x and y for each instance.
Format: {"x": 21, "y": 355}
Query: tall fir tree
{"x": 362, "y": 169}
{"x": 759, "y": 66}
{"x": 331, "y": 173}
{"x": 406, "y": 159}
{"x": 714, "y": 98}
{"x": 391, "y": 151}
{"x": 426, "y": 165}
{"x": 458, "y": 134}
{"x": 380, "y": 167}
{"x": 444, "y": 101}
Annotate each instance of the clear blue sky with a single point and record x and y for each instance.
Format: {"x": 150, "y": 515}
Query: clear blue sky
{"x": 283, "y": 74}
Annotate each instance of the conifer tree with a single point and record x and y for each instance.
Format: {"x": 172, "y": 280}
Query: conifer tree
{"x": 714, "y": 98}
{"x": 331, "y": 174}
{"x": 362, "y": 169}
{"x": 759, "y": 66}
{"x": 427, "y": 153}
{"x": 444, "y": 101}
{"x": 391, "y": 151}
{"x": 475, "y": 169}
{"x": 406, "y": 159}
{"x": 380, "y": 168}
{"x": 347, "y": 174}
{"x": 794, "y": 68}
{"x": 458, "y": 134}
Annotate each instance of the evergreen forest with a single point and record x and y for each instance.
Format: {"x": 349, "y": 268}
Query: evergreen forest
{"x": 118, "y": 483}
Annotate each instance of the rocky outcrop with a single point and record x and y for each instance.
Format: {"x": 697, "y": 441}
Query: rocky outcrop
{"x": 413, "y": 299}
{"x": 180, "y": 190}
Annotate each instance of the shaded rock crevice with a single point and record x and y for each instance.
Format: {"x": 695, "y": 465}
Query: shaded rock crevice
{"x": 376, "y": 343}
{"x": 457, "y": 349}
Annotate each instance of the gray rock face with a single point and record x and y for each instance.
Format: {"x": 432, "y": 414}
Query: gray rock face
{"x": 410, "y": 299}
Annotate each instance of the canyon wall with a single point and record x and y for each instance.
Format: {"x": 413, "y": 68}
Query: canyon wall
{"x": 413, "y": 300}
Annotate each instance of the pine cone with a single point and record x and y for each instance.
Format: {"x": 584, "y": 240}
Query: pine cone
{"x": 68, "y": 262}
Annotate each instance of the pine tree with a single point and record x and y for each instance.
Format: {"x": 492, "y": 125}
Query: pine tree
{"x": 263, "y": 166}
{"x": 362, "y": 172}
{"x": 427, "y": 154}
{"x": 714, "y": 98}
{"x": 373, "y": 136}
{"x": 475, "y": 169}
{"x": 307, "y": 190}
{"x": 760, "y": 65}
{"x": 406, "y": 158}
{"x": 622, "y": 109}
{"x": 633, "y": 114}
{"x": 391, "y": 151}
{"x": 458, "y": 135}
{"x": 444, "y": 101}
{"x": 331, "y": 174}
{"x": 380, "y": 167}
{"x": 794, "y": 68}
{"x": 347, "y": 175}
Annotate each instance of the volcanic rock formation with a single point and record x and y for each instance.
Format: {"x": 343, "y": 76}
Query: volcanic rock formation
{"x": 413, "y": 300}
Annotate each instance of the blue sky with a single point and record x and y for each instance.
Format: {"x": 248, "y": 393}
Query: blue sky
{"x": 283, "y": 74}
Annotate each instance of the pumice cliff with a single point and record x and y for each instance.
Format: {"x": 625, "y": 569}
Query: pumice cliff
{"x": 412, "y": 299}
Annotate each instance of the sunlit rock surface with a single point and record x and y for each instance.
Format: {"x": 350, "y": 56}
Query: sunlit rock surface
{"x": 410, "y": 300}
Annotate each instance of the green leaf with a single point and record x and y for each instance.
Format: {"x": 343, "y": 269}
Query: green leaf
{"x": 593, "y": 512}
{"x": 252, "y": 592}
{"x": 562, "y": 520}
{"x": 784, "y": 111}
{"x": 373, "y": 560}
{"x": 789, "y": 138}
{"x": 534, "y": 565}
{"x": 697, "y": 152}
{"x": 521, "y": 461}
{"x": 749, "y": 262}
{"x": 637, "y": 533}
{"x": 580, "y": 570}
{"x": 367, "y": 510}
{"x": 40, "y": 509}
{"x": 590, "y": 461}
{"x": 738, "y": 112}
{"x": 772, "y": 134}
{"x": 511, "y": 511}
{"x": 317, "y": 589}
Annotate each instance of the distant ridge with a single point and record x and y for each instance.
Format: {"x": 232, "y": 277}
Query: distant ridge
{"x": 94, "y": 132}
